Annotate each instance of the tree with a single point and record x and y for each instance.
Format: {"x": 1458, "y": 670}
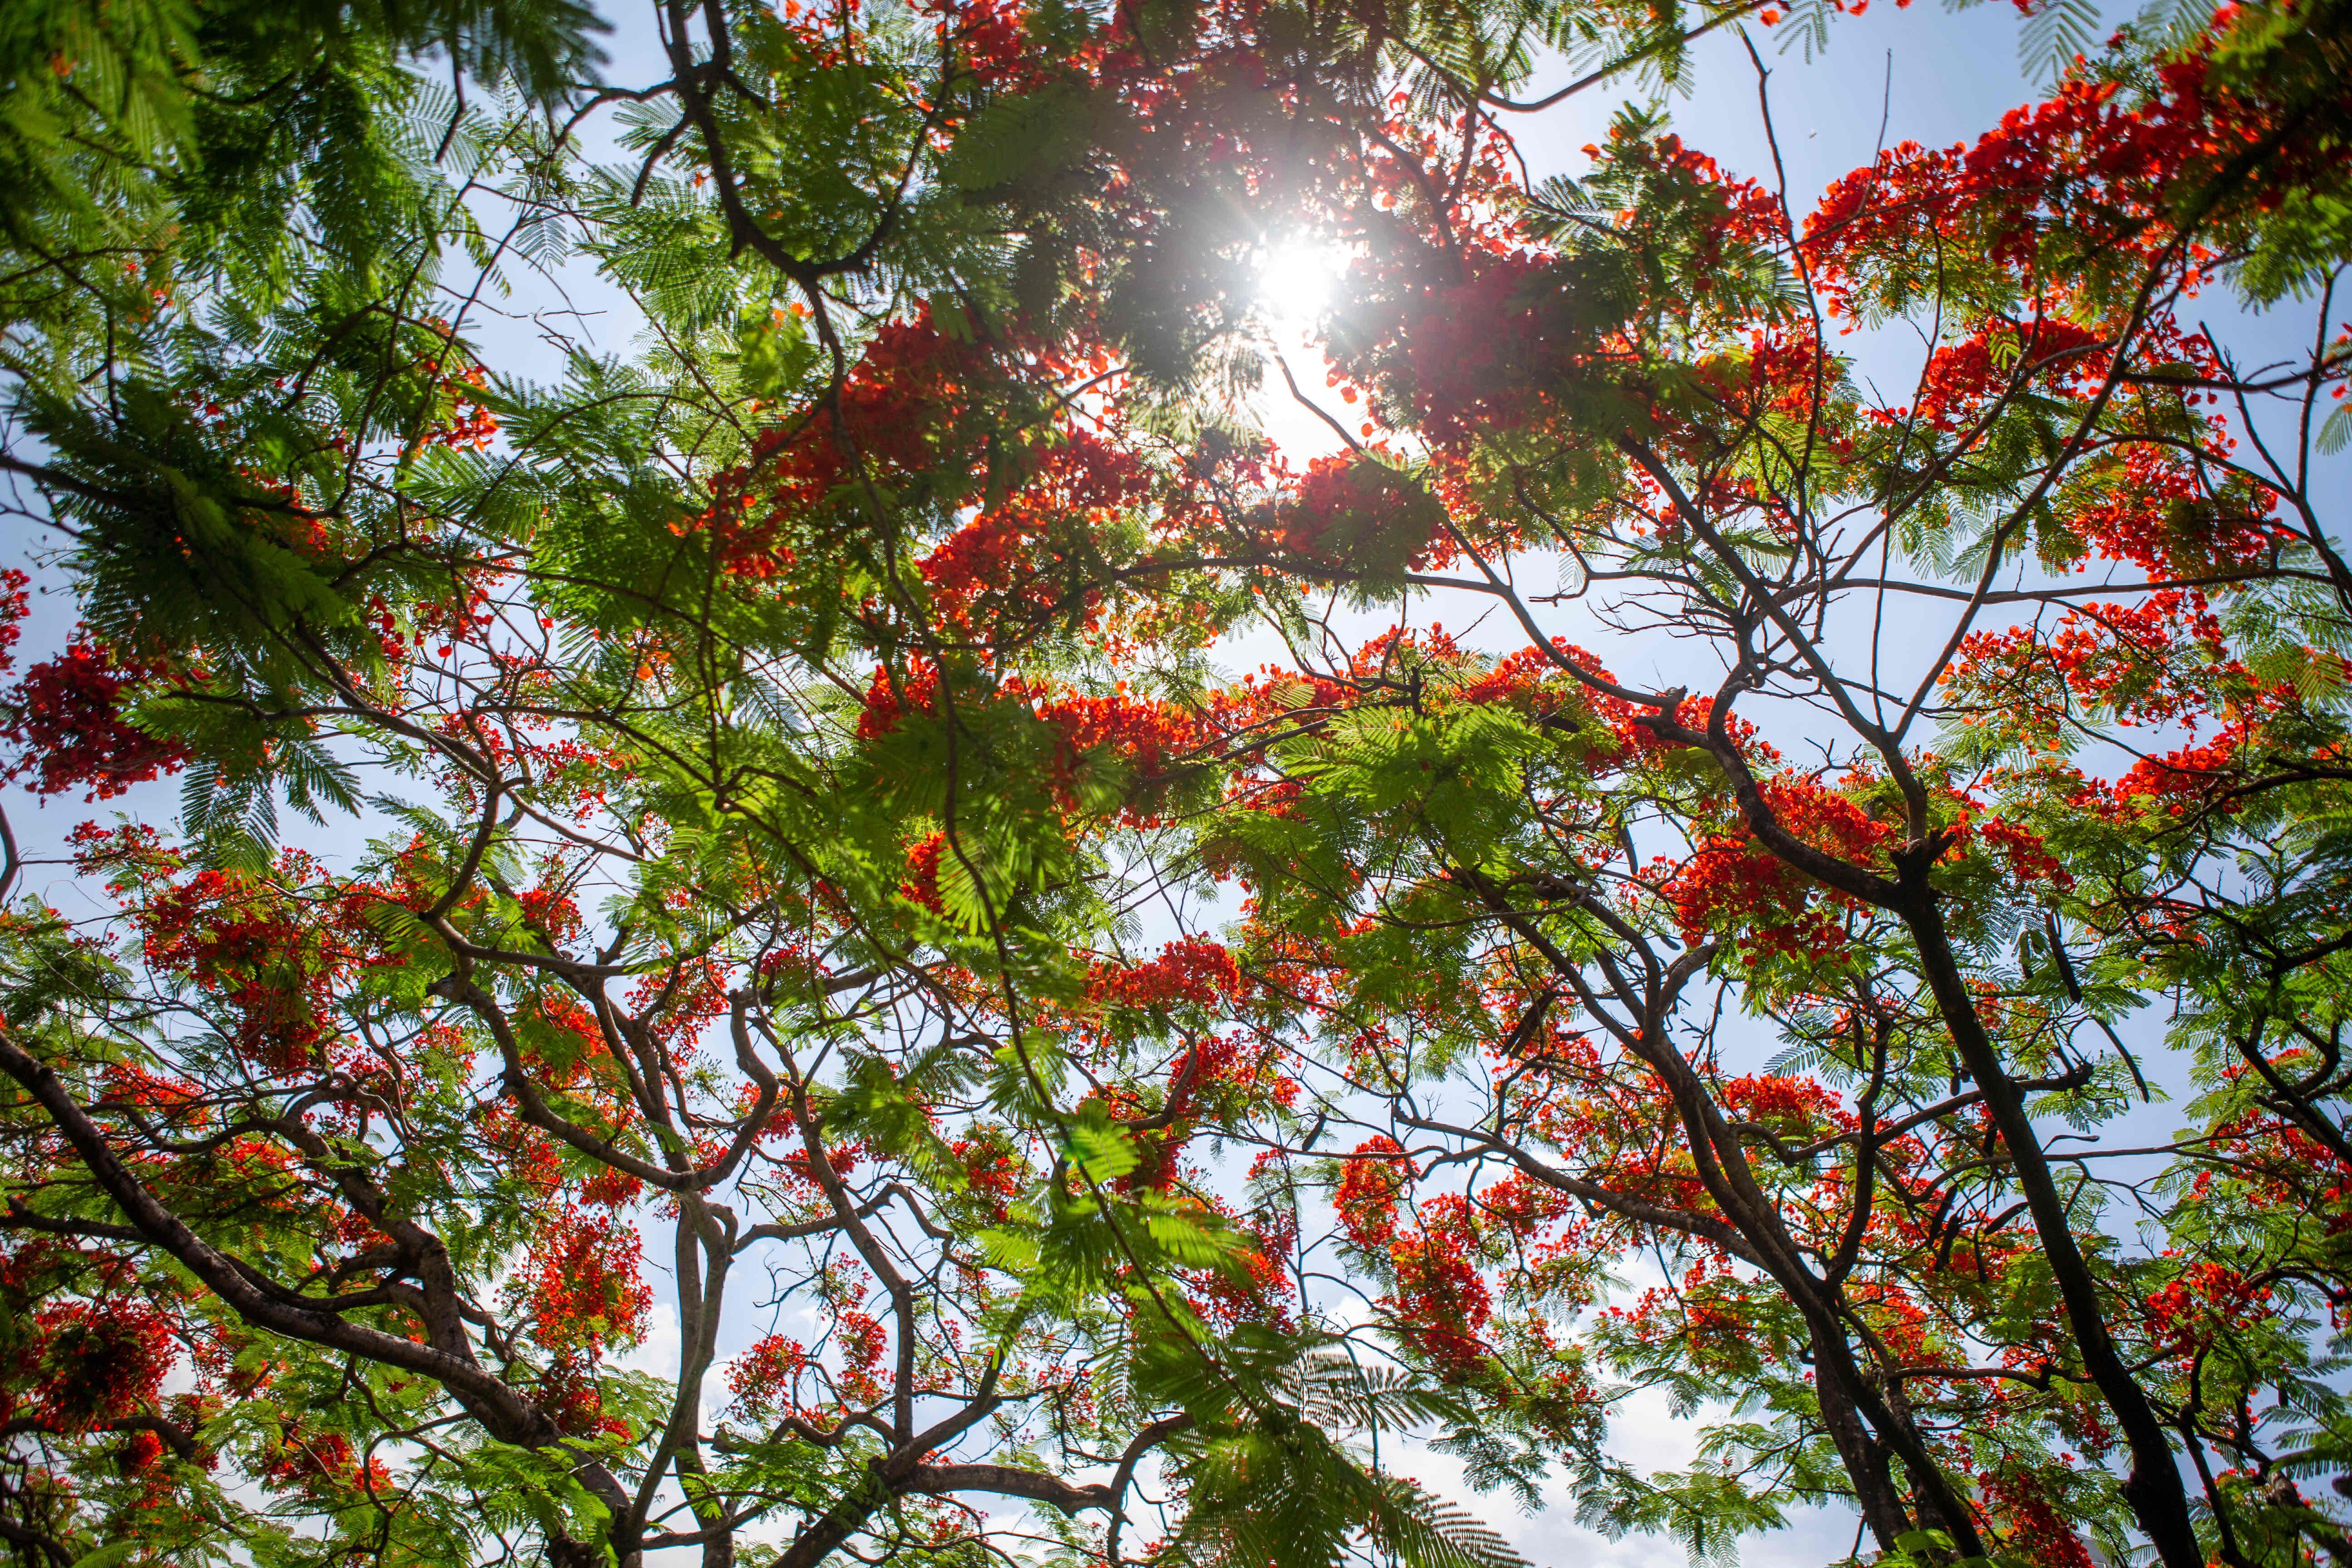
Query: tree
{"x": 764, "y": 749}
{"x": 2059, "y": 667}
{"x": 724, "y": 759}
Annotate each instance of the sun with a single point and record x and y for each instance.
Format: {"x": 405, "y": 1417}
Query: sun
{"x": 1296, "y": 281}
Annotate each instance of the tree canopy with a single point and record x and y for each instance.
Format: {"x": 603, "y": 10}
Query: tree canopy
{"x": 757, "y": 828}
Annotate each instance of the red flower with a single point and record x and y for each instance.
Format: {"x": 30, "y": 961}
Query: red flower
{"x": 69, "y": 721}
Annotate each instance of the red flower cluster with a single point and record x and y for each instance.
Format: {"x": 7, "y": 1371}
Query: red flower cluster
{"x": 67, "y": 718}
{"x": 863, "y": 1342}
{"x": 2205, "y": 1302}
{"x": 2081, "y": 165}
{"x": 1733, "y": 886}
{"x": 1188, "y": 970}
{"x": 1068, "y": 486}
{"x": 2035, "y": 1529}
{"x": 88, "y": 1362}
{"x": 574, "y": 1399}
{"x": 1453, "y": 355}
{"x": 989, "y": 36}
{"x": 762, "y": 1378}
{"x": 1370, "y": 1187}
{"x": 16, "y": 602}
{"x": 582, "y": 1283}
{"x": 923, "y": 883}
{"x": 1363, "y": 515}
{"x": 1442, "y": 1301}
{"x": 886, "y": 704}
{"x": 469, "y": 422}
{"x": 991, "y": 1169}
{"x": 2054, "y": 352}
{"x": 279, "y": 966}
{"x": 1145, "y": 735}
{"x": 2025, "y": 851}
{"x": 320, "y": 1463}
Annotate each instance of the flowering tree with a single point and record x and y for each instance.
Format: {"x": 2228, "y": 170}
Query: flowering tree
{"x": 759, "y": 817}
{"x": 2007, "y": 701}
{"x": 724, "y": 771}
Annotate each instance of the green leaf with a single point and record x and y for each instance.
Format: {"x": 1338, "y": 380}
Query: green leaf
{"x": 109, "y": 1555}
